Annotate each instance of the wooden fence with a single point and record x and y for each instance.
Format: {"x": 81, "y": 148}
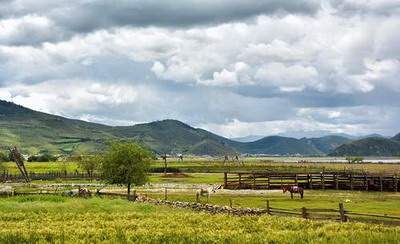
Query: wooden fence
{"x": 340, "y": 214}
{"x": 6, "y": 176}
{"x": 323, "y": 180}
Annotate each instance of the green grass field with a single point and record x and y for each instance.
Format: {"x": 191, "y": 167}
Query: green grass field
{"x": 363, "y": 202}
{"x": 55, "y": 219}
{"x": 217, "y": 166}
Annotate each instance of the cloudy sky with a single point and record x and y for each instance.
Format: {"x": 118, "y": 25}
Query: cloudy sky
{"x": 235, "y": 67}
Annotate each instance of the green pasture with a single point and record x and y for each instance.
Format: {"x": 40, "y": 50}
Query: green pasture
{"x": 363, "y": 202}
{"x": 56, "y": 219}
{"x": 218, "y": 166}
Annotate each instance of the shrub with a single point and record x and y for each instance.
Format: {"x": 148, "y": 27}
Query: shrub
{"x": 42, "y": 158}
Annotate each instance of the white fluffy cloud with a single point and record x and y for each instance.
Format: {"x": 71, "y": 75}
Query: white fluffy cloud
{"x": 237, "y": 68}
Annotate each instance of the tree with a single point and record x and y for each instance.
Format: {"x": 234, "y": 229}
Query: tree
{"x": 126, "y": 163}
{"x": 354, "y": 159}
{"x": 89, "y": 164}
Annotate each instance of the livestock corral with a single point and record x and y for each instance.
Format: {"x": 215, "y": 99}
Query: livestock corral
{"x": 206, "y": 201}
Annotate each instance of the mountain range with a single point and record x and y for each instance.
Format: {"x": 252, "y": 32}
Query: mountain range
{"x": 371, "y": 146}
{"x": 36, "y": 132}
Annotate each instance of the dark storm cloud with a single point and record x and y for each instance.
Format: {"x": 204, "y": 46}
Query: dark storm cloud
{"x": 87, "y": 16}
{"x": 38, "y": 21}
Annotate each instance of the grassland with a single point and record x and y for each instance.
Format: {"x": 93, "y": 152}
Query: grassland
{"x": 363, "y": 202}
{"x": 218, "y": 166}
{"x": 32, "y": 219}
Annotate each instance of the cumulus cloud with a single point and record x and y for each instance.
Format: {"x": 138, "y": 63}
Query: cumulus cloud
{"x": 235, "y": 67}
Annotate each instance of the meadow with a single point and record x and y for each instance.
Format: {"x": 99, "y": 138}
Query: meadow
{"x": 363, "y": 202}
{"x": 56, "y": 219}
{"x": 219, "y": 166}
{"x": 59, "y": 219}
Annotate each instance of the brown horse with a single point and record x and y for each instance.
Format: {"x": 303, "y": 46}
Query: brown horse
{"x": 293, "y": 189}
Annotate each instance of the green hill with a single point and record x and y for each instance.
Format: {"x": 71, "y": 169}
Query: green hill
{"x": 372, "y": 146}
{"x": 277, "y": 145}
{"x": 172, "y": 136}
{"x": 326, "y": 144}
{"x": 396, "y": 137}
{"x": 36, "y": 132}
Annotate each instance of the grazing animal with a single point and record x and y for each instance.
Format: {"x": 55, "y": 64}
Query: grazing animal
{"x": 203, "y": 192}
{"x": 82, "y": 192}
{"x": 293, "y": 189}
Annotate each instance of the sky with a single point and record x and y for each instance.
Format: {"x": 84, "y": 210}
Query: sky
{"x": 235, "y": 67}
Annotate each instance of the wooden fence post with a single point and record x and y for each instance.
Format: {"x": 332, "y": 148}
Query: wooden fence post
{"x": 396, "y": 183}
{"x": 197, "y": 197}
{"x": 323, "y": 180}
{"x": 225, "y": 180}
{"x": 230, "y": 203}
{"x": 165, "y": 194}
{"x": 296, "y": 180}
{"x": 381, "y": 183}
{"x": 254, "y": 181}
{"x": 268, "y": 209}
{"x": 240, "y": 181}
{"x": 311, "y": 184}
{"x": 342, "y": 212}
{"x": 304, "y": 213}
{"x": 351, "y": 181}
{"x": 336, "y": 182}
{"x": 134, "y": 195}
{"x": 366, "y": 182}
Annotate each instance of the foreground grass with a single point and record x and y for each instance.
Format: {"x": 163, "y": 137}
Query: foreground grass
{"x": 363, "y": 202}
{"x": 57, "y": 219}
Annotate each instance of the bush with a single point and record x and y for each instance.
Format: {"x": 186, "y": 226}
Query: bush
{"x": 4, "y": 157}
{"x": 42, "y": 158}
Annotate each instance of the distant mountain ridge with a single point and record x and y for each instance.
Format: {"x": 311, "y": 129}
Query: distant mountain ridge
{"x": 249, "y": 138}
{"x": 396, "y": 137}
{"x": 371, "y": 146}
{"x": 36, "y": 132}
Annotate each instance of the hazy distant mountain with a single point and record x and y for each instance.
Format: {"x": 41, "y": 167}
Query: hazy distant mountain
{"x": 371, "y": 146}
{"x": 248, "y": 138}
{"x": 396, "y": 137}
{"x": 326, "y": 144}
{"x": 371, "y": 135}
{"x": 278, "y": 145}
{"x": 319, "y": 134}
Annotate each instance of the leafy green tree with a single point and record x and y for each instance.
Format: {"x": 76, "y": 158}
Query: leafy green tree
{"x": 42, "y": 158}
{"x": 126, "y": 163}
{"x": 89, "y": 164}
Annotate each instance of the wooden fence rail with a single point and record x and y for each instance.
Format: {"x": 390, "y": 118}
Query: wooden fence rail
{"x": 322, "y": 180}
{"x": 6, "y": 176}
{"x": 339, "y": 214}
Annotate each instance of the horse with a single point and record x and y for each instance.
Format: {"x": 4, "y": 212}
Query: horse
{"x": 203, "y": 193}
{"x": 293, "y": 189}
